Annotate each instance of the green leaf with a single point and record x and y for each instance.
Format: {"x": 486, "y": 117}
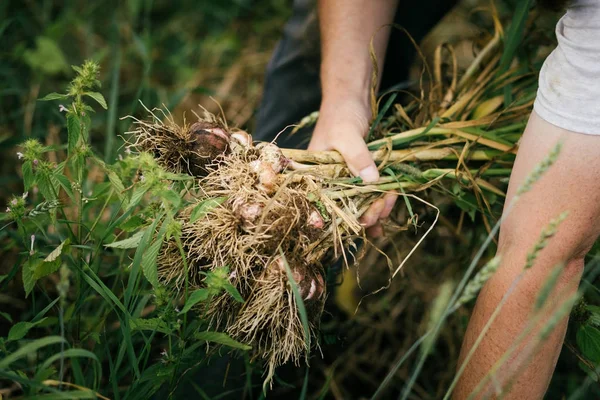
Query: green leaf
{"x": 130, "y": 243}
{"x": 221, "y": 338}
{"x": 233, "y": 292}
{"x": 3, "y": 277}
{"x": 205, "y": 206}
{"x": 99, "y": 98}
{"x": 149, "y": 324}
{"x": 132, "y": 223}
{"x": 57, "y": 251}
{"x": 171, "y": 197}
{"x": 298, "y": 298}
{"x": 20, "y": 329}
{"x": 47, "y": 58}
{"x": 149, "y": 258}
{"x": 54, "y": 96}
{"x": 27, "y": 276}
{"x": 137, "y": 195}
{"x": 64, "y": 182}
{"x": 588, "y": 340}
{"x": 45, "y": 186}
{"x": 45, "y": 268}
{"x": 29, "y": 349}
{"x": 74, "y": 130}
{"x": 196, "y": 297}
{"x": 6, "y": 316}
{"x": 28, "y": 177}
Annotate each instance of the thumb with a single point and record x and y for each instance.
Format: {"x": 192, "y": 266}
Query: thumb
{"x": 356, "y": 154}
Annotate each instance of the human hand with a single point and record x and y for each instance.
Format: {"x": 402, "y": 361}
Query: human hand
{"x": 342, "y": 126}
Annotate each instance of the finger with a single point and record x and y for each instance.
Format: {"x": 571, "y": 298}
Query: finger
{"x": 356, "y": 154}
{"x": 371, "y": 216}
{"x": 389, "y": 201}
{"x": 375, "y": 231}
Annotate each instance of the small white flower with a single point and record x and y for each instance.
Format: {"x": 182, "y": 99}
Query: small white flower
{"x": 35, "y": 162}
{"x": 128, "y": 150}
{"x": 120, "y": 158}
{"x": 13, "y": 202}
{"x": 142, "y": 178}
{"x": 62, "y": 108}
{"x": 20, "y": 155}
{"x": 164, "y": 353}
{"x": 31, "y": 252}
{"x": 25, "y": 195}
{"x": 177, "y": 309}
{"x": 7, "y": 209}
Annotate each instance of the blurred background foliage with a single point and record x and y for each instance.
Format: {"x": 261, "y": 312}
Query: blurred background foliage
{"x": 183, "y": 53}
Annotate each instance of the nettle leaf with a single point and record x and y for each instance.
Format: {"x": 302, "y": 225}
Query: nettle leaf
{"x": 45, "y": 186}
{"x": 54, "y": 96}
{"x": 205, "y": 206}
{"x": 28, "y": 177}
{"x": 130, "y": 243}
{"x": 229, "y": 288}
{"x": 171, "y": 197}
{"x": 27, "y": 276}
{"x": 58, "y": 251}
{"x": 149, "y": 324}
{"x": 132, "y": 223}
{"x": 74, "y": 130}
{"x": 149, "y": 262}
{"x": 20, "y": 329}
{"x": 588, "y": 340}
{"x": 64, "y": 182}
{"x": 221, "y": 338}
{"x": 196, "y": 297}
{"x": 45, "y": 268}
{"x": 99, "y": 98}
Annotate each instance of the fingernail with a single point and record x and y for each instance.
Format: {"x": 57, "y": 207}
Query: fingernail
{"x": 369, "y": 174}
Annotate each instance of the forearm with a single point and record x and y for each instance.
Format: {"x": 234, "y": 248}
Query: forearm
{"x": 518, "y": 325}
{"x": 347, "y": 27}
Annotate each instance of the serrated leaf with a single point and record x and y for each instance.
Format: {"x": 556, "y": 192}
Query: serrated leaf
{"x": 57, "y": 251}
{"x": 588, "y": 340}
{"x": 20, "y": 329}
{"x": 99, "y": 98}
{"x": 149, "y": 257}
{"x": 229, "y": 288}
{"x": 45, "y": 186}
{"x": 132, "y": 223}
{"x": 221, "y": 338}
{"x": 196, "y": 297}
{"x": 54, "y": 96}
{"x": 171, "y": 197}
{"x": 28, "y": 177}
{"x": 149, "y": 324}
{"x": 205, "y": 206}
{"x": 45, "y": 268}
{"x": 74, "y": 131}
{"x": 137, "y": 195}
{"x": 130, "y": 243}
{"x": 64, "y": 182}
{"x": 27, "y": 276}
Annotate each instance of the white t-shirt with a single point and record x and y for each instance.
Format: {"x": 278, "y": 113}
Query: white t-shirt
{"x": 569, "y": 83}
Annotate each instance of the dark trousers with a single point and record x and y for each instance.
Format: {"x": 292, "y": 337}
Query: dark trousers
{"x": 292, "y": 86}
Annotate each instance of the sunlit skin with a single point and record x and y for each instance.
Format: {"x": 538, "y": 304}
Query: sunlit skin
{"x": 570, "y": 185}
